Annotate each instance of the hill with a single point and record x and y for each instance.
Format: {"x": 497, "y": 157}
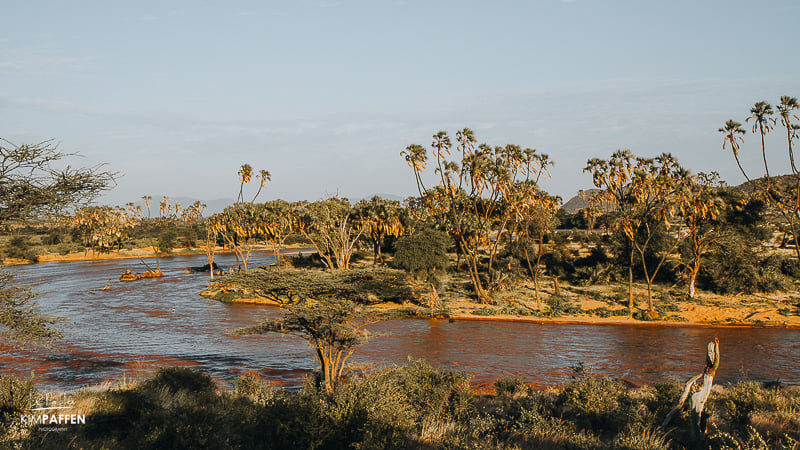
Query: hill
{"x": 577, "y": 203}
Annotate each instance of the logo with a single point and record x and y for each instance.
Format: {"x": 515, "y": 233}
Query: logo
{"x": 52, "y": 412}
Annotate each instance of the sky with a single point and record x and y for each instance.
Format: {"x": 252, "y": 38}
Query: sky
{"x": 326, "y": 94}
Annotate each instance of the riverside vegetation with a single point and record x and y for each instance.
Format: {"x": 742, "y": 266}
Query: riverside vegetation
{"x": 411, "y": 406}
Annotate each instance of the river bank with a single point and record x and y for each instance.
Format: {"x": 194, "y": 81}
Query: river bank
{"x": 592, "y": 305}
{"x": 147, "y": 252}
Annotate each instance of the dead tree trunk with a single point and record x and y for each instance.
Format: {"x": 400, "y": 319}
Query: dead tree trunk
{"x": 700, "y": 393}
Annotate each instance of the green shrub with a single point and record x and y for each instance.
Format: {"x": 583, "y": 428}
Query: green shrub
{"x": 787, "y": 266}
{"x": 593, "y": 403}
{"x": 512, "y": 310}
{"x": 53, "y": 238}
{"x": 423, "y": 254}
{"x": 166, "y": 241}
{"x": 15, "y": 399}
{"x": 412, "y": 406}
{"x": 19, "y": 247}
{"x": 312, "y": 261}
{"x": 511, "y": 387}
{"x": 638, "y": 437}
{"x": 733, "y": 267}
{"x": 384, "y": 410}
{"x": 484, "y": 311}
{"x": 559, "y": 305}
{"x": 251, "y": 387}
{"x": 175, "y": 379}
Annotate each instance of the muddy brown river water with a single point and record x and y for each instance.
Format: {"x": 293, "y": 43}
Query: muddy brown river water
{"x": 131, "y": 328}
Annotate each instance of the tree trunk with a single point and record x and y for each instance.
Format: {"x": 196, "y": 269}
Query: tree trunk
{"x": 694, "y": 269}
{"x": 630, "y": 286}
{"x": 376, "y": 253}
{"x": 763, "y": 152}
{"x": 472, "y": 262}
{"x": 700, "y": 396}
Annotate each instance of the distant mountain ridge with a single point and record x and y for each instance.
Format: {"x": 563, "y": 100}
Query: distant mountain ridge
{"x": 779, "y": 180}
{"x": 577, "y": 202}
{"x": 398, "y": 198}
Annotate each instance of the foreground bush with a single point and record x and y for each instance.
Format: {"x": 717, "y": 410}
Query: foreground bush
{"x": 417, "y": 406}
{"x": 16, "y": 397}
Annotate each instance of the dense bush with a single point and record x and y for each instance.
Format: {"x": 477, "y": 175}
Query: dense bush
{"x": 297, "y": 238}
{"x": 415, "y": 406}
{"x": 423, "y": 254}
{"x": 20, "y": 247}
{"x": 16, "y": 396}
{"x": 559, "y": 305}
{"x": 733, "y": 266}
{"x": 597, "y": 404}
{"x": 308, "y": 261}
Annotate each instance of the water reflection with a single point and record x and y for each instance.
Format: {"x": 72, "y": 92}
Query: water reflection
{"x": 130, "y": 326}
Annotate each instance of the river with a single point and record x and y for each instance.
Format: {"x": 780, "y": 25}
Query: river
{"x": 130, "y": 328}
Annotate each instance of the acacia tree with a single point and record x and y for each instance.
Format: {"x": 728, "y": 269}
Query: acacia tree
{"x": 194, "y": 214}
{"x": 381, "y": 219}
{"x": 332, "y": 328}
{"x": 20, "y": 322}
{"x": 31, "y": 185}
{"x": 325, "y": 309}
{"x": 331, "y": 227}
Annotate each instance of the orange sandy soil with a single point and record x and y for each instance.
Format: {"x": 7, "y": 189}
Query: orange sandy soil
{"x": 758, "y": 315}
{"x": 130, "y": 254}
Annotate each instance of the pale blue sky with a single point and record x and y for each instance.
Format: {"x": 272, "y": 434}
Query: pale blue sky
{"x": 325, "y": 94}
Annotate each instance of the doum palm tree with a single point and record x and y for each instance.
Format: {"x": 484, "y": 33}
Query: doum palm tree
{"x": 416, "y": 157}
{"x": 265, "y": 176}
{"x": 245, "y": 174}
{"x": 730, "y": 130}
{"x": 761, "y": 113}
{"x": 785, "y": 108}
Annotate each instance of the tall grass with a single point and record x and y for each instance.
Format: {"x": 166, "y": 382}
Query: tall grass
{"x": 411, "y": 406}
